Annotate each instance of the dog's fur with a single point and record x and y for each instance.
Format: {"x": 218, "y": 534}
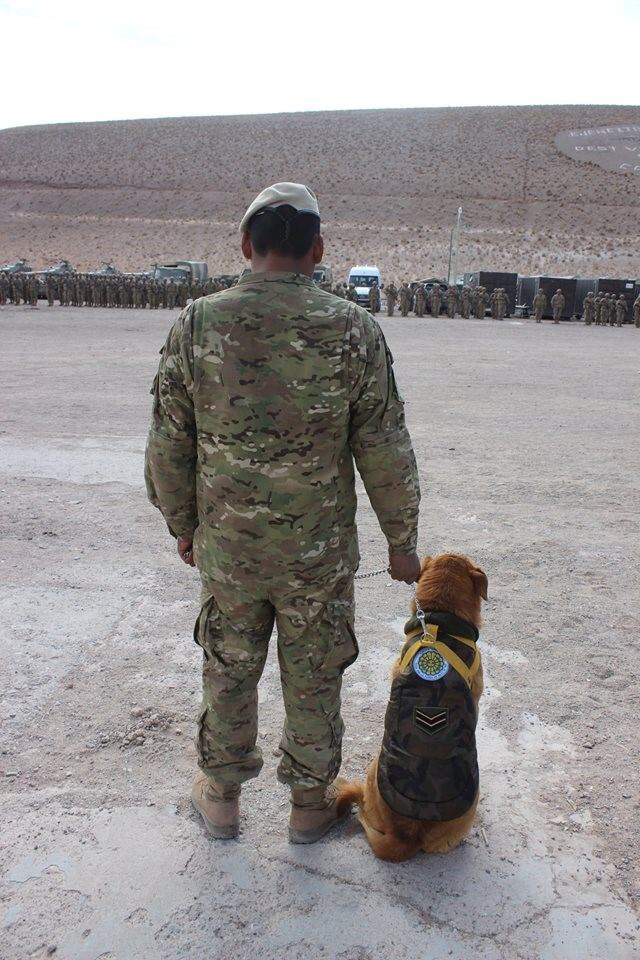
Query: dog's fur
{"x": 453, "y": 584}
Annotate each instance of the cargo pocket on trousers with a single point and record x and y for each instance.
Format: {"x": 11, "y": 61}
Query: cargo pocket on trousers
{"x": 343, "y": 646}
{"x": 207, "y": 610}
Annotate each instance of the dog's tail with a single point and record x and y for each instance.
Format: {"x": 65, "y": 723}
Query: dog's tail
{"x": 349, "y": 793}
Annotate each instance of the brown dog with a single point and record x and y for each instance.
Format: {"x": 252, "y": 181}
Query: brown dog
{"x": 449, "y": 593}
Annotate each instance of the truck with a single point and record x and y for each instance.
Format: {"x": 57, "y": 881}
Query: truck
{"x": 180, "y": 270}
{"x": 323, "y": 274}
{"x": 363, "y": 277}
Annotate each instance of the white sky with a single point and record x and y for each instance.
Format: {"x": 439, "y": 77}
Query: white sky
{"x": 73, "y": 60}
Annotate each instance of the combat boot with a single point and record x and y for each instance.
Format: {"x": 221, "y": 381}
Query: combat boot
{"x": 314, "y": 812}
{"x": 219, "y": 810}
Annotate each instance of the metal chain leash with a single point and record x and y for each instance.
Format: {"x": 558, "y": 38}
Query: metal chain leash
{"x": 374, "y": 573}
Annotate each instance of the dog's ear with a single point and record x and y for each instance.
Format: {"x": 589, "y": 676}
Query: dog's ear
{"x": 480, "y": 582}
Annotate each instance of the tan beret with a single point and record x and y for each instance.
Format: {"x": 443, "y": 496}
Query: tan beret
{"x": 296, "y": 195}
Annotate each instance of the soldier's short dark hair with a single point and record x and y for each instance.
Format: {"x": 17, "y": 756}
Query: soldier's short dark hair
{"x": 283, "y": 230}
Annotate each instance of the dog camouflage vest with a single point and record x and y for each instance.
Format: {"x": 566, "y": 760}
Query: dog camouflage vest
{"x": 428, "y": 766}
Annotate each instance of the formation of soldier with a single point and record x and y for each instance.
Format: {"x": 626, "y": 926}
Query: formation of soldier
{"x": 604, "y": 310}
{"x": 113, "y": 290}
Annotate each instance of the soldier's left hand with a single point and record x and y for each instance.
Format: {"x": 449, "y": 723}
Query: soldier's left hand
{"x": 185, "y": 550}
{"x": 404, "y": 567}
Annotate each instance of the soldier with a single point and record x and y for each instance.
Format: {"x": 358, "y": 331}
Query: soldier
{"x": 171, "y": 294}
{"x": 435, "y": 300}
{"x": 405, "y": 299}
{"x": 392, "y": 296}
{"x": 636, "y": 311}
{"x": 612, "y": 310}
{"x": 539, "y": 304}
{"x": 452, "y": 301}
{"x": 588, "y": 309}
{"x": 598, "y": 309}
{"x": 480, "y": 303}
{"x": 17, "y": 288}
{"x": 351, "y": 293}
{"x": 465, "y": 302}
{"x": 557, "y": 305}
{"x": 373, "y": 298}
{"x": 420, "y": 300}
{"x": 269, "y": 513}
{"x": 621, "y": 310}
{"x": 4, "y": 288}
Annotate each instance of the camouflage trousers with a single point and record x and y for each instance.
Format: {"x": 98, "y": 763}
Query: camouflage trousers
{"x": 316, "y": 642}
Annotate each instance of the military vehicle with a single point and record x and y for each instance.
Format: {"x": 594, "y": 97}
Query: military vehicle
{"x": 323, "y": 274}
{"x": 59, "y": 270}
{"x": 20, "y": 266}
{"x": 529, "y": 286}
{"x": 180, "y": 270}
{"x": 106, "y": 269}
{"x": 428, "y": 285}
{"x": 363, "y": 277}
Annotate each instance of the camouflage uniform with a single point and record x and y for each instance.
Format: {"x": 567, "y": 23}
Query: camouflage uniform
{"x": 435, "y": 300}
{"x": 452, "y": 301}
{"x": 480, "y": 303}
{"x": 465, "y": 303}
{"x": 611, "y": 309}
{"x": 539, "y": 305}
{"x": 557, "y": 305}
{"x": 621, "y": 310}
{"x": 420, "y": 301}
{"x": 636, "y": 311}
{"x": 4, "y": 288}
{"x": 588, "y": 309}
{"x": 392, "y": 296}
{"x": 598, "y": 306}
{"x": 405, "y": 299}
{"x": 373, "y": 298}
{"x": 265, "y": 395}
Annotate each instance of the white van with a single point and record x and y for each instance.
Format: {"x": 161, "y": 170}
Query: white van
{"x": 363, "y": 277}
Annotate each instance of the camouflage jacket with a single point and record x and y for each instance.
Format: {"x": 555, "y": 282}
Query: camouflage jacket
{"x": 265, "y": 395}
{"x": 428, "y": 764}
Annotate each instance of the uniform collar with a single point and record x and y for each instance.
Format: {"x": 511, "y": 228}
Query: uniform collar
{"x": 273, "y": 276}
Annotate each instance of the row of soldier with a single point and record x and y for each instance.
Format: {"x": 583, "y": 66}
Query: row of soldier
{"x": 433, "y": 299}
{"x": 91, "y": 290}
{"x": 604, "y": 310}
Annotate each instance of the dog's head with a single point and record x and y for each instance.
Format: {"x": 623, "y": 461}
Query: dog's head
{"x": 453, "y": 583}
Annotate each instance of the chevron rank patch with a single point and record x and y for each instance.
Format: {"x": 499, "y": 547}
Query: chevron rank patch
{"x": 431, "y": 719}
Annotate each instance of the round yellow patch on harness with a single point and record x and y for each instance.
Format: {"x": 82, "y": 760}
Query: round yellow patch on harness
{"x": 429, "y": 664}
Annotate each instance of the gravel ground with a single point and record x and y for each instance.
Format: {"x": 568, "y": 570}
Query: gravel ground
{"x": 527, "y": 441}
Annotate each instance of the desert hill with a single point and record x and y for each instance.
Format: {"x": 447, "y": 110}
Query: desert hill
{"x": 389, "y": 184}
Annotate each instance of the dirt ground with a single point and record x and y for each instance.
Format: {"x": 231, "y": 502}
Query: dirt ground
{"x": 528, "y": 448}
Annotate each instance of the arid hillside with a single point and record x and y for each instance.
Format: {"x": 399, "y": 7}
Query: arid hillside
{"x": 389, "y": 184}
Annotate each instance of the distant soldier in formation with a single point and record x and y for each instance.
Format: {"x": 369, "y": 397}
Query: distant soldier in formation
{"x": 498, "y": 303}
{"x": 392, "y": 296}
{"x": 611, "y": 309}
{"x": 557, "y": 305}
{"x": 373, "y": 298}
{"x": 589, "y": 309}
{"x": 621, "y": 310}
{"x": 597, "y": 303}
{"x": 480, "y": 303}
{"x": 351, "y": 293}
{"x": 435, "y": 300}
{"x": 539, "y": 304}
{"x": 4, "y": 288}
{"x": 452, "y": 301}
{"x": 636, "y": 311}
{"x": 465, "y": 302}
{"x": 420, "y": 300}
{"x": 405, "y": 299}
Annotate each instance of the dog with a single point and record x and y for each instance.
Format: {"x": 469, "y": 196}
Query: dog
{"x": 421, "y": 791}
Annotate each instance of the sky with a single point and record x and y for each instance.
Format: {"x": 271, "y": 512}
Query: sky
{"x": 80, "y": 60}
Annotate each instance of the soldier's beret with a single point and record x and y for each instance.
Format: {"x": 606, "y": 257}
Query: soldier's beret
{"x": 296, "y": 195}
